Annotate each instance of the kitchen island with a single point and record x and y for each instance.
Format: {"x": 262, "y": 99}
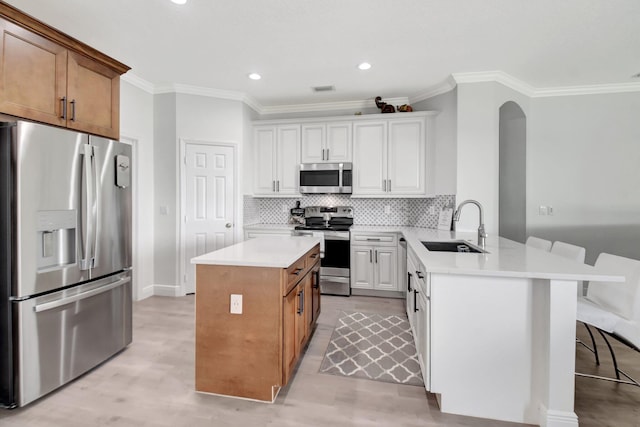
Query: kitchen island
{"x": 257, "y": 303}
{"x": 495, "y": 331}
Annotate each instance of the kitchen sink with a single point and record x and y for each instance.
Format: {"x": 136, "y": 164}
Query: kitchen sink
{"x": 452, "y": 246}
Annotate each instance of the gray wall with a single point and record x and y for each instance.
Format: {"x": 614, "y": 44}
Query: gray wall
{"x": 444, "y": 136}
{"x": 183, "y": 118}
{"x": 584, "y": 160}
{"x": 513, "y": 173}
{"x": 136, "y": 126}
{"x": 477, "y": 155}
{"x": 164, "y": 187}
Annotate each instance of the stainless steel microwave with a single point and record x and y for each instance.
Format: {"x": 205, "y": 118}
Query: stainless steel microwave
{"x": 323, "y": 178}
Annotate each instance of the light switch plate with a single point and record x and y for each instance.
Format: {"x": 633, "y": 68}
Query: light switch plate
{"x": 236, "y": 304}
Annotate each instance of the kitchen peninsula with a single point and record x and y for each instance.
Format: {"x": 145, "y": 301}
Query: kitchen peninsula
{"x": 495, "y": 331}
{"x": 257, "y": 303}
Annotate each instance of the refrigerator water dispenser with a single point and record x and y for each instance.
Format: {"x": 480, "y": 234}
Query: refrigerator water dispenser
{"x": 56, "y": 231}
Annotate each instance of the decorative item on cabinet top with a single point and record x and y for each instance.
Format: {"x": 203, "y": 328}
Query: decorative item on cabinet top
{"x": 383, "y": 106}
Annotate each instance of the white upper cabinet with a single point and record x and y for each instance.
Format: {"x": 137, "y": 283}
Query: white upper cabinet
{"x": 326, "y": 142}
{"x": 392, "y": 154}
{"x": 390, "y": 158}
{"x": 276, "y": 160}
{"x": 369, "y": 158}
{"x": 407, "y": 157}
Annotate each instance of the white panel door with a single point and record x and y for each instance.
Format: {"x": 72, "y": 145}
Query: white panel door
{"x": 264, "y": 141}
{"x": 338, "y": 145}
{"x": 386, "y": 269}
{"x": 369, "y": 158}
{"x": 209, "y": 207}
{"x": 361, "y": 267}
{"x": 407, "y": 157}
{"x": 288, "y": 160}
{"x": 313, "y": 143}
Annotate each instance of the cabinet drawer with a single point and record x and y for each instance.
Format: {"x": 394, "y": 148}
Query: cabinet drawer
{"x": 312, "y": 257}
{"x": 388, "y": 239}
{"x": 296, "y": 271}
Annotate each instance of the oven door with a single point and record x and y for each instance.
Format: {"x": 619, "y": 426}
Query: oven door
{"x": 334, "y": 271}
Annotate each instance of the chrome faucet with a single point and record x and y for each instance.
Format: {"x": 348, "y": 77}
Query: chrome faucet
{"x": 482, "y": 235}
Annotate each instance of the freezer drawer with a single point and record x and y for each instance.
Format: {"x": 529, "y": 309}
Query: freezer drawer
{"x": 64, "y": 334}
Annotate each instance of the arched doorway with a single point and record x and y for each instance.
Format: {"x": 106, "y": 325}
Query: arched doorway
{"x": 513, "y": 172}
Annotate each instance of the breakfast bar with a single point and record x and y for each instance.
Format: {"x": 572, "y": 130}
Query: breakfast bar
{"x": 496, "y": 330}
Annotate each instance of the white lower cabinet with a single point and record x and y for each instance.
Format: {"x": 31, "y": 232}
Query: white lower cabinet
{"x": 418, "y": 299}
{"x": 374, "y": 261}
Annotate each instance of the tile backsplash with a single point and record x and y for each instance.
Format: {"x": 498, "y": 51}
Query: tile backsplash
{"x": 414, "y": 212}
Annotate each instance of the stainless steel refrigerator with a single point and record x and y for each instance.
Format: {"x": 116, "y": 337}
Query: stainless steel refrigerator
{"x": 65, "y": 256}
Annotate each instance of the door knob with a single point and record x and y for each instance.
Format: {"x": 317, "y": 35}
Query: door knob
{"x": 228, "y": 225}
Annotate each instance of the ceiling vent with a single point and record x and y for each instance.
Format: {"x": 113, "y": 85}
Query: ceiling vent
{"x": 327, "y": 88}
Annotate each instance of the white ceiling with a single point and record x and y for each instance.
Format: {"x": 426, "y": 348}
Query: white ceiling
{"x": 413, "y": 45}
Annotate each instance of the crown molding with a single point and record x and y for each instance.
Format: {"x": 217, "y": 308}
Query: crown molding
{"x": 330, "y": 106}
{"x": 449, "y": 84}
{"x": 532, "y": 92}
{"x": 446, "y": 86}
{"x": 498, "y": 77}
{"x": 588, "y": 90}
{"x": 138, "y": 82}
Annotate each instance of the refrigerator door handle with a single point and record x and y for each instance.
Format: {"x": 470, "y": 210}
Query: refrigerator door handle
{"x": 84, "y": 295}
{"x": 88, "y": 211}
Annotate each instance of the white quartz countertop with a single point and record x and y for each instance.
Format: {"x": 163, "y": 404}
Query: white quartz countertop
{"x": 261, "y": 226}
{"x": 504, "y": 257}
{"x": 278, "y": 252}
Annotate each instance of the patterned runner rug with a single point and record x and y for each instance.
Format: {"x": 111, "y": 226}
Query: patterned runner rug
{"x": 374, "y": 346}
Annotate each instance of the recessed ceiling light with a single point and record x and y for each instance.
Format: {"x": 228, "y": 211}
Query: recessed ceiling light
{"x": 255, "y": 76}
{"x": 364, "y": 66}
{"x": 179, "y": 1}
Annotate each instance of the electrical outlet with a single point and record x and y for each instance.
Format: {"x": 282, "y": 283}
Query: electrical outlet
{"x": 236, "y": 304}
{"x": 387, "y": 209}
{"x": 550, "y": 210}
{"x": 543, "y": 210}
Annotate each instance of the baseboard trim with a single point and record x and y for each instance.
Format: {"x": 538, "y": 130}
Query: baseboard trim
{"x": 377, "y": 293}
{"x": 146, "y": 292}
{"x": 553, "y": 418}
{"x": 167, "y": 290}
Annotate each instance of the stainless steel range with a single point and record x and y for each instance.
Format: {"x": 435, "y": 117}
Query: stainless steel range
{"x": 331, "y": 225}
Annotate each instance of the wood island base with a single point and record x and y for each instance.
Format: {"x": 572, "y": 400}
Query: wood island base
{"x": 252, "y": 354}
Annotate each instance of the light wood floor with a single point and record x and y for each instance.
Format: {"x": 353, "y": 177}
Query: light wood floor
{"x": 151, "y": 384}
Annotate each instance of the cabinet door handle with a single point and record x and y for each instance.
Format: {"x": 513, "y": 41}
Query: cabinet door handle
{"x": 73, "y": 110}
{"x": 376, "y": 251}
{"x": 384, "y": 185}
{"x": 323, "y": 154}
{"x": 409, "y": 281}
{"x": 415, "y": 301}
{"x": 298, "y": 271}
{"x": 419, "y": 274}
{"x": 327, "y": 154}
{"x": 371, "y": 239}
{"x": 316, "y": 285}
{"x": 370, "y": 255}
{"x": 301, "y": 302}
{"x": 277, "y": 186}
{"x": 273, "y": 186}
{"x": 63, "y": 100}
{"x": 389, "y": 185}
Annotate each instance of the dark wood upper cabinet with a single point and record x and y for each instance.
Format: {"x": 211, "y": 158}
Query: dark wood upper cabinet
{"x": 49, "y": 77}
